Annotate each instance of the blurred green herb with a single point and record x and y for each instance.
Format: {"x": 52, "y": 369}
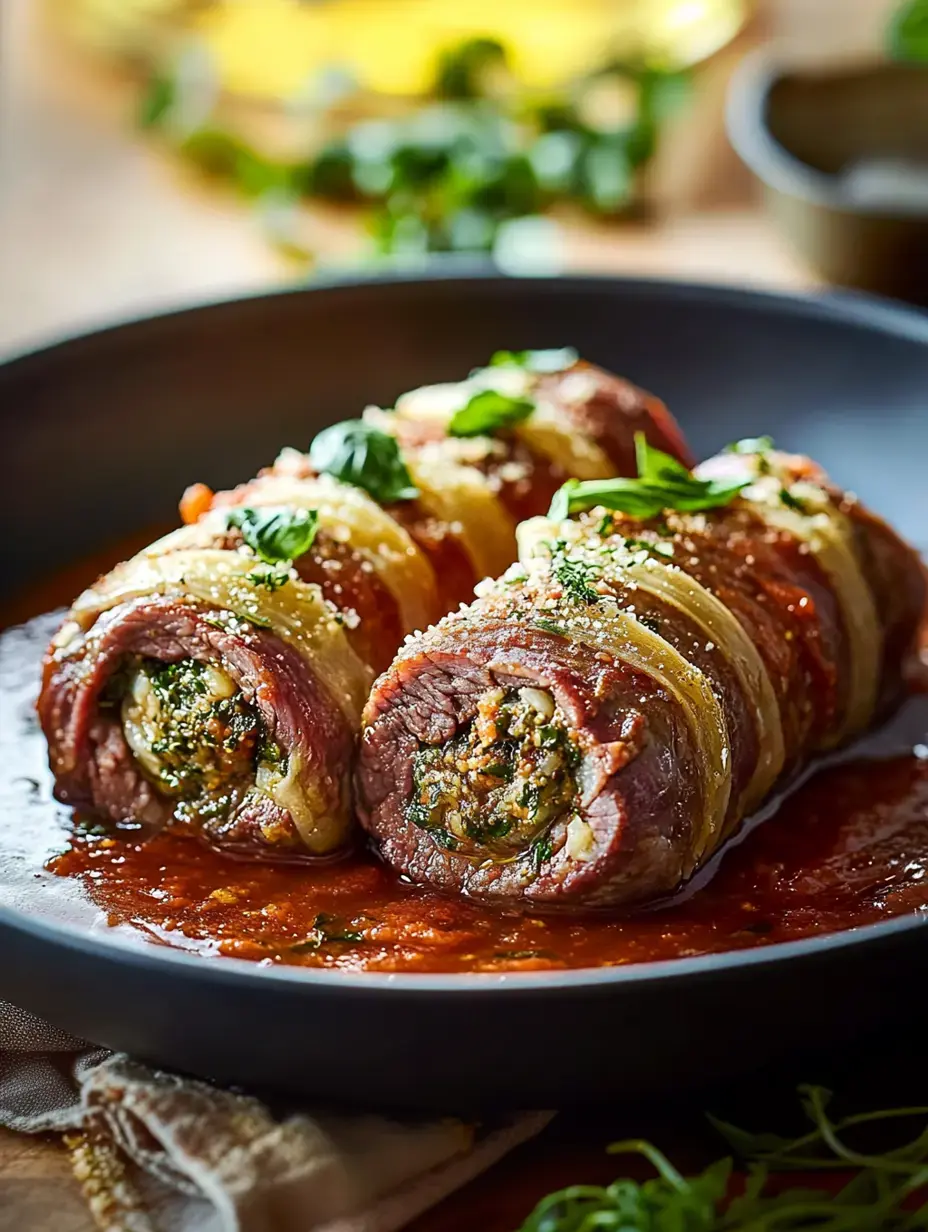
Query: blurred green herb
{"x": 908, "y": 31}
{"x": 882, "y": 1193}
{"x": 751, "y": 445}
{"x": 469, "y": 70}
{"x": 540, "y": 362}
{"x": 158, "y": 99}
{"x": 359, "y": 454}
{"x": 276, "y": 535}
{"x": 451, "y": 175}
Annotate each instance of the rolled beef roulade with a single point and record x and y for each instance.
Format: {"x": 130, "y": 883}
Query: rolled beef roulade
{"x": 216, "y": 679}
{"x": 607, "y": 713}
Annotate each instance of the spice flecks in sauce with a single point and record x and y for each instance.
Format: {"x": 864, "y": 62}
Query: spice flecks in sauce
{"x": 849, "y": 848}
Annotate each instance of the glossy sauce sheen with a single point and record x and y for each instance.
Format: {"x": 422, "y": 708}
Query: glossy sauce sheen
{"x": 849, "y": 847}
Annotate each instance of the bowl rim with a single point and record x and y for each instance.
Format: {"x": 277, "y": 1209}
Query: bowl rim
{"x": 850, "y": 308}
{"x": 159, "y": 958}
{"x": 847, "y": 305}
{"x": 769, "y": 160}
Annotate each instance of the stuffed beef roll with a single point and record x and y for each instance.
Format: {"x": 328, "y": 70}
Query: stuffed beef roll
{"x": 607, "y": 713}
{"x": 216, "y": 680}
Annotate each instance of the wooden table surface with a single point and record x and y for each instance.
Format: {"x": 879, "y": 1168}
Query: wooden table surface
{"x": 96, "y": 224}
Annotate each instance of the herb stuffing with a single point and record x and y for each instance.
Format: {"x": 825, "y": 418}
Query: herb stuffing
{"x": 882, "y": 1193}
{"x": 277, "y": 535}
{"x": 500, "y": 782}
{"x": 357, "y": 453}
{"x": 662, "y": 483}
{"x": 487, "y": 412}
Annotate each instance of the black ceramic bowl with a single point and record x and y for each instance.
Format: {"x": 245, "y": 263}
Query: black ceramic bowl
{"x": 101, "y": 434}
{"x": 842, "y": 155}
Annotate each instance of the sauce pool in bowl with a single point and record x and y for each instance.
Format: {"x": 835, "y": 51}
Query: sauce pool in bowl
{"x": 847, "y": 847}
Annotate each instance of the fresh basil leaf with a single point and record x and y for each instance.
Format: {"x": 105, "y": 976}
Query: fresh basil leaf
{"x": 655, "y": 465}
{"x": 555, "y": 360}
{"x": 487, "y": 412}
{"x": 751, "y": 444}
{"x": 276, "y": 535}
{"x": 359, "y": 454}
{"x": 662, "y": 483}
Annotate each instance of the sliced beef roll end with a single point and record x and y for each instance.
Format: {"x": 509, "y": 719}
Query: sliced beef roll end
{"x": 593, "y": 727}
{"x": 216, "y": 680}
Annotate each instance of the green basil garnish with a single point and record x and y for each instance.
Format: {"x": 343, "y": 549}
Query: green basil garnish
{"x": 662, "y": 483}
{"x": 276, "y": 535}
{"x": 365, "y": 457}
{"x": 487, "y": 412}
{"x": 555, "y": 360}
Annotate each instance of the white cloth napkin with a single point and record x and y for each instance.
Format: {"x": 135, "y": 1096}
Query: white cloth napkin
{"x": 156, "y": 1152}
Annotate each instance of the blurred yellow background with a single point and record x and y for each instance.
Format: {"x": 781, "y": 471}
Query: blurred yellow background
{"x": 268, "y": 48}
{"x": 100, "y": 221}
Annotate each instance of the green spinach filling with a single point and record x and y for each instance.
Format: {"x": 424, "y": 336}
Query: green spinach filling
{"x": 193, "y": 734}
{"x": 496, "y": 788}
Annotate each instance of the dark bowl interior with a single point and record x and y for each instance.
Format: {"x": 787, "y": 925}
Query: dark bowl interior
{"x": 831, "y": 121}
{"x": 102, "y": 433}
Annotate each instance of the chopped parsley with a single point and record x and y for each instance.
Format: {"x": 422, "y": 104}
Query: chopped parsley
{"x": 576, "y": 577}
{"x": 658, "y": 548}
{"x": 487, "y": 412}
{"x": 540, "y": 851}
{"x": 355, "y": 452}
{"x": 277, "y": 535}
{"x": 662, "y": 483}
{"x": 550, "y": 627}
{"x": 269, "y": 579}
{"x": 499, "y": 770}
{"x": 325, "y": 931}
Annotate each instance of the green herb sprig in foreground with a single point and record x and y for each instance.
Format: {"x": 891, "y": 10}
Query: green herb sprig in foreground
{"x": 662, "y": 483}
{"x": 884, "y": 1193}
{"x": 359, "y": 454}
{"x": 276, "y": 535}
